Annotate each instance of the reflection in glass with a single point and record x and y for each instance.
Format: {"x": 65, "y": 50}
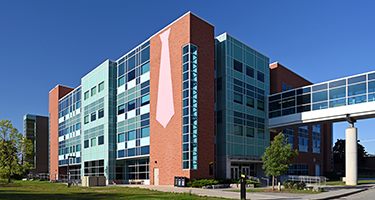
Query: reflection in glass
{"x": 357, "y": 89}
{"x": 356, "y": 100}
{"x": 319, "y": 106}
{"x": 337, "y": 103}
{"x": 337, "y": 93}
{"x": 320, "y": 96}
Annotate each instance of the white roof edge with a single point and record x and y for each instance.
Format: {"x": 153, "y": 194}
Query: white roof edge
{"x": 96, "y": 68}
{"x": 165, "y": 27}
{"x": 242, "y": 43}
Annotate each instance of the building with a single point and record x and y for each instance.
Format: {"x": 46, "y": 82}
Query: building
{"x": 182, "y": 103}
{"x": 35, "y": 128}
{"x": 242, "y": 86}
{"x": 314, "y": 143}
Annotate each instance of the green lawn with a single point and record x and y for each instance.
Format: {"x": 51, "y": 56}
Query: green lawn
{"x": 30, "y": 190}
{"x": 360, "y": 182}
{"x": 267, "y": 190}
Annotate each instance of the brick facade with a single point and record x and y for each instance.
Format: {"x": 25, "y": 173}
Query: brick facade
{"x": 54, "y": 95}
{"x": 280, "y": 75}
{"x": 166, "y": 143}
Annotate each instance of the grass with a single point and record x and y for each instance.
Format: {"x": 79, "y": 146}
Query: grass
{"x": 360, "y": 182}
{"x": 268, "y": 190}
{"x": 30, "y": 190}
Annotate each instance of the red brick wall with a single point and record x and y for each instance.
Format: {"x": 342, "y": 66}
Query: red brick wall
{"x": 54, "y": 96}
{"x": 280, "y": 75}
{"x": 166, "y": 144}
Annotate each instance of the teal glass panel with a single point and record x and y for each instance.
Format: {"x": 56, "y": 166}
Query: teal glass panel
{"x": 120, "y": 138}
{"x": 357, "y": 100}
{"x": 185, "y": 156}
{"x": 194, "y": 155}
{"x": 145, "y": 132}
{"x": 145, "y": 68}
{"x": 337, "y": 93}
{"x": 185, "y": 165}
{"x": 194, "y": 164}
{"x": 185, "y": 49}
{"x": 320, "y": 96}
{"x": 357, "y": 79}
{"x": 145, "y": 54}
{"x": 194, "y": 147}
{"x": 193, "y": 49}
{"x": 121, "y": 81}
{"x": 319, "y": 106}
{"x": 337, "y": 103}
{"x": 194, "y": 138}
{"x": 185, "y": 138}
{"x": 131, "y": 135}
{"x": 357, "y": 89}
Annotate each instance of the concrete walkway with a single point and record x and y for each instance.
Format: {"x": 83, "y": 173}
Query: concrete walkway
{"x": 332, "y": 192}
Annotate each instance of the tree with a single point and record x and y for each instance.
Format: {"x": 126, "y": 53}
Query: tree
{"x": 277, "y": 158}
{"x": 339, "y": 153}
{"x": 12, "y": 147}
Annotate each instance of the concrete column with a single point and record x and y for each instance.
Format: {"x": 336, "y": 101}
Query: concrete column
{"x": 351, "y": 163}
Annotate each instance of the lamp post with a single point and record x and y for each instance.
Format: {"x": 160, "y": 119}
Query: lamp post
{"x": 68, "y": 173}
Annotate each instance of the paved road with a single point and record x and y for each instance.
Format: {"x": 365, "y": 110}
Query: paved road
{"x": 367, "y": 194}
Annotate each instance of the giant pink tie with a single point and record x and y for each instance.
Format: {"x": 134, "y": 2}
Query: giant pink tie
{"x": 165, "y": 107}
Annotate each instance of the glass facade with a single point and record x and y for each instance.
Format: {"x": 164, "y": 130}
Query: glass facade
{"x": 70, "y": 128}
{"x": 241, "y": 87}
{"x": 190, "y": 107}
{"x": 336, "y": 93}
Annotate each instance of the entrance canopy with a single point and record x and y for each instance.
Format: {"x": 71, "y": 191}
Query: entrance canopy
{"x": 349, "y": 98}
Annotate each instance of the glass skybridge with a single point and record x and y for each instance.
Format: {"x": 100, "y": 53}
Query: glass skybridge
{"x": 326, "y": 102}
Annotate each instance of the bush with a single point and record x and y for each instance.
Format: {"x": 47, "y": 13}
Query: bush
{"x": 297, "y": 185}
{"x": 203, "y": 182}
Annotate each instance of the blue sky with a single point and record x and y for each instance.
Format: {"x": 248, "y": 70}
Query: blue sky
{"x": 45, "y": 43}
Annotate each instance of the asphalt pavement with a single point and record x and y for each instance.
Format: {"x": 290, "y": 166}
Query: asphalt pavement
{"x": 333, "y": 192}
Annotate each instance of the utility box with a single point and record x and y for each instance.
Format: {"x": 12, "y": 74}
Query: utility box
{"x": 90, "y": 181}
{"x": 101, "y": 181}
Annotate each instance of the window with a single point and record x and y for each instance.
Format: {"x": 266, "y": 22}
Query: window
{"x": 237, "y": 66}
{"x": 249, "y": 132}
{"x": 93, "y": 116}
{"x": 284, "y": 87}
{"x": 237, "y": 98}
{"x": 121, "y": 138}
{"x": 249, "y": 71}
{"x": 93, "y": 142}
{"x": 131, "y": 75}
{"x": 86, "y": 144}
{"x": 93, "y": 91}
{"x": 260, "y": 105}
{"x": 145, "y": 68}
{"x": 101, "y": 113}
{"x": 131, "y": 105}
{"x": 101, "y": 86}
{"x": 260, "y": 134}
{"x": 86, "y": 95}
{"x": 86, "y": 119}
{"x": 121, "y": 81}
{"x": 78, "y": 147}
{"x": 131, "y": 135}
{"x": 145, "y": 132}
{"x": 290, "y": 87}
{"x": 100, "y": 140}
{"x": 250, "y": 102}
{"x": 260, "y": 76}
{"x": 121, "y": 109}
{"x": 78, "y": 105}
{"x": 237, "y": 130}
{"x": 145, "y": 100}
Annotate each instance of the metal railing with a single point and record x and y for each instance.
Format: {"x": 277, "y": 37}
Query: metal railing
{"x": 309, "y": 180}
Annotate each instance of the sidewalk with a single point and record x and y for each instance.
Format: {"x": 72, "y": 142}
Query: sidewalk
{"x": 333, "y": 192}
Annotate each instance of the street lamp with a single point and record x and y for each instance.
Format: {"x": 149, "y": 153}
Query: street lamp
{"x": 68, "y": 173}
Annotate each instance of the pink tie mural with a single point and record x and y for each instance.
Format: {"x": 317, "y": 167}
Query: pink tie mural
{"x": 165, "y": 106}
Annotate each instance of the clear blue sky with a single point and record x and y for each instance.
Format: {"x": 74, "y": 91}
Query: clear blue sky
{"x": 45, "y": 43}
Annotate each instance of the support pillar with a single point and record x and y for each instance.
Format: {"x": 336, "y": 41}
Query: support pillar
{"x": 351, "y": 162}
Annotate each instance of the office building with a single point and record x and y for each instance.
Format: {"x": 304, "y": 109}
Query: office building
{"x": 35, "y": 128}
{"x": 314, "y": 142}
{"x": 150, "y": 115}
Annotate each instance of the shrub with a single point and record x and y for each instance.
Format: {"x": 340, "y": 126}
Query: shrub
{"x": 203, "y": 182}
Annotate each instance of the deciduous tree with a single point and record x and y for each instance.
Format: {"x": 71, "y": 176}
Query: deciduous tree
{"x": 12, "y": 145}
{"x": 277, "y": 158}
